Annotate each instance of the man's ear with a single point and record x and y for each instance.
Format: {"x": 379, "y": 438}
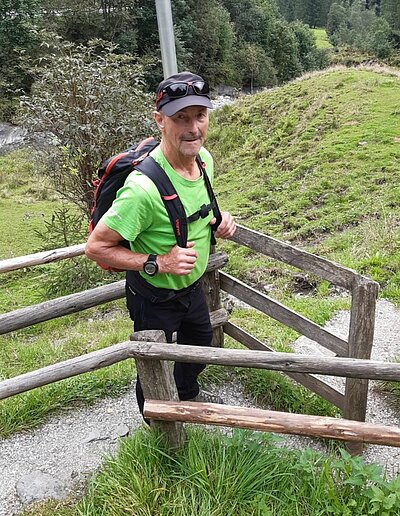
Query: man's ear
{"x": 159, "y": 119}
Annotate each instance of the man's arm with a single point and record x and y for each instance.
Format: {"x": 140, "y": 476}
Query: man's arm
{"x": 103, "y": 246}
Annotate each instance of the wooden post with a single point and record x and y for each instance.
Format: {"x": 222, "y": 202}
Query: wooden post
{"x": 361, "y": 336}
{"x": 212, "y": 291}
{"x": 157, "y": 380}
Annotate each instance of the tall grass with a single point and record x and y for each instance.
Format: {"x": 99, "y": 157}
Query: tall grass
{"x": 246, "y": 474}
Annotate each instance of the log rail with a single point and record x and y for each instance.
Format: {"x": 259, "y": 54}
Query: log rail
{"x": 288, "y": 362}
{"x": 357, "y": 346}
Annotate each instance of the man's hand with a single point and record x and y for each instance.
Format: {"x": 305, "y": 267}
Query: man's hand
{"x": 178, "y": 260}
{"x": 227, "y": 227}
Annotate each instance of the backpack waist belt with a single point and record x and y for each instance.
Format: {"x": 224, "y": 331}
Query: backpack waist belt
{"x": 140, "y": 286}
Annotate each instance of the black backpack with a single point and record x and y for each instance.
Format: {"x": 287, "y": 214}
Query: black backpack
{"x": 113, "y": 173}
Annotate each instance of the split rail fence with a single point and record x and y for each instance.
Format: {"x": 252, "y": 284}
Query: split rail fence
{"x": 351, "y": 360}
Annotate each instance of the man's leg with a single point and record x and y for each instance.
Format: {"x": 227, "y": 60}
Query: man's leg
{"x": 195, "y": 329}
{"x": 150, "y": 316}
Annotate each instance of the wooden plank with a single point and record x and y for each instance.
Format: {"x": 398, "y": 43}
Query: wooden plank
{"x": 289, "y": 362}
{"x": 283, "y": 314}
{"x": 310, "y": 382}
{"x": 27, "y": 316}
{"x": 272, "y": 421}
{"x": 217, "y": 260}
{"x": 20, "y": 262}
{"x": 61, "y": 306}
{"x": 333, "y": 272}
{"x": 66, "y": 369}
{"x": 157, "y": 381}
{"x": 218, "y": 318}
{"x": 361, "y": 336}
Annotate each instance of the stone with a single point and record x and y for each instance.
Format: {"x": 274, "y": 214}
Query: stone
{"x": 95, "y": 435}
{"x": 122, "y": 430}
{"x": 36, "y": 485}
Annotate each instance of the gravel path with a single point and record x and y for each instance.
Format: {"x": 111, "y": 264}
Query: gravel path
{"x": 65, "y": 450}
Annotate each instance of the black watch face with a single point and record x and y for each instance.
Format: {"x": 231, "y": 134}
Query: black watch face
{"x": 150, "y": 268}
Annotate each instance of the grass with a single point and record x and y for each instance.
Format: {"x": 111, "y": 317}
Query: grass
{"x": 25, "y": 201}
{"x": 319, "y": 157}
{"x": 321, "y": 38}
{"x": 246, "y": 474}
{"x": 55, "y": 341}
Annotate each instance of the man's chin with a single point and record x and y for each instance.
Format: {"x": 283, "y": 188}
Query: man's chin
{"x": 191, "y": 148}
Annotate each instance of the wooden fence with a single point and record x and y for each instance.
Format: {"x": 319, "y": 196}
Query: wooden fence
{"x": 358, "y": 345}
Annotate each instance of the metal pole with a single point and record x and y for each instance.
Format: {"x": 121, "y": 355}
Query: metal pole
{"x": 167, "y": 40}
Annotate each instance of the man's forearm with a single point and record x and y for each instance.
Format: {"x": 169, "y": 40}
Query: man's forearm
{"x": 117, "y": 256}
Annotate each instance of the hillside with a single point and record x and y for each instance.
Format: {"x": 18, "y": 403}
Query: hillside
{"x": 316, "y": 162}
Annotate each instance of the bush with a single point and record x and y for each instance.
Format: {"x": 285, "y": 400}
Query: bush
{"x": 67, "y": 228}
{"x": 92, "y": 103}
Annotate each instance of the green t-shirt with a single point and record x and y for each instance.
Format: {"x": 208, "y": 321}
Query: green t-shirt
{"x": 138, "y": 214}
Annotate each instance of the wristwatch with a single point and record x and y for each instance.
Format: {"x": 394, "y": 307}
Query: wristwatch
{"x": 150, "y": 266}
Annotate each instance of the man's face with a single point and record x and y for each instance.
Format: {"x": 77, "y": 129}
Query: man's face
{"x": 185, "y": 131}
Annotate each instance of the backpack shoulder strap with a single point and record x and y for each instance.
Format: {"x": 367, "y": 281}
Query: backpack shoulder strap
{"x": 176, "y": 212}
{"x": 211, "y": 195}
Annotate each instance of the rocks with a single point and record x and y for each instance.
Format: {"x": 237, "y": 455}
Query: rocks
{"x": 11, "y": 137}
{"x": 222, "y": 100}
{"x": 61, "y": 453}
{"x": 37, "y": 485}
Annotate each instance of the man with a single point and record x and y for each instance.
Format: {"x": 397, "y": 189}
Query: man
{"x": 163, "y": 289}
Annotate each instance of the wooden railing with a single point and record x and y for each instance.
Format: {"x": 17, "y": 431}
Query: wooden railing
{"x": 357, "y": 346}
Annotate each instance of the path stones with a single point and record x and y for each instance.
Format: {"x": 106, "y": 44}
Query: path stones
{"x": 36, "y": 485}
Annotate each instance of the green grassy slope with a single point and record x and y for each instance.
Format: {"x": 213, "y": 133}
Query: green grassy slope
{"x": 321, "y": 38}
{"x": 316, "y": 162}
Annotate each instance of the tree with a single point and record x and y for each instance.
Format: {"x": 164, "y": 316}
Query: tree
{"x": 284, "y": 51}
{"x": 256, "y": 67}
{"x": 210, "y": 40}
{"x": 79, "y": 21}
{"x": 92, "y": 102}
{"x": 17, "y": 36}
{"x": 311, "y": 12}
{"x": 390, "y": 10}
{"x": 337, "y": 18}
{"x": 310, "y": 57}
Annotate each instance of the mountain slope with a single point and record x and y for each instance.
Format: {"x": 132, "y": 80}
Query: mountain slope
{"x": 317, "y": 162}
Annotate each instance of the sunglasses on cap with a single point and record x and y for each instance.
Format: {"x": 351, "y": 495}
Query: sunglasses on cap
{"x": 181, "y": 89}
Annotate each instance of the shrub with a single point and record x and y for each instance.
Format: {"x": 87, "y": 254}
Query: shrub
{"x": 92, "y": 103}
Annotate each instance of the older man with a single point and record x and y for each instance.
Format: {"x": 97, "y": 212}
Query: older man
{"x": 163, "y": 280}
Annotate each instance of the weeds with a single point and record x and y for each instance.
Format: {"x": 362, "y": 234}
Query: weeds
{"x": 245, "y": 474}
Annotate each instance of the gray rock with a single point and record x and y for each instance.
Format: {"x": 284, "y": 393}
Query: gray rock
{"x": 95, "y": 435}
{"x": 11, "y": 135}
{"x": 36, "y": 485}
{"x": 122, "y": 430}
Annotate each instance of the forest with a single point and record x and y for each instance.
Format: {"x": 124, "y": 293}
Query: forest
{"x": 242, "y": 44}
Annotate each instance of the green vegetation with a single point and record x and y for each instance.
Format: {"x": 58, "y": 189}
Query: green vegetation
{"x": 92, "y": 102}
{"x": 314, "y": 162}
{"x": 25, "y": 200}
{"x": 52, "y": 342}
{"x": 321, "y": 38}
{"x": 242, "y": 475}
{"x": 215, "y": 38}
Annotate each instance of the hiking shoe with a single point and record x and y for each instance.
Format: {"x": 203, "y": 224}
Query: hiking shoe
{"x": 208, "y": 397}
